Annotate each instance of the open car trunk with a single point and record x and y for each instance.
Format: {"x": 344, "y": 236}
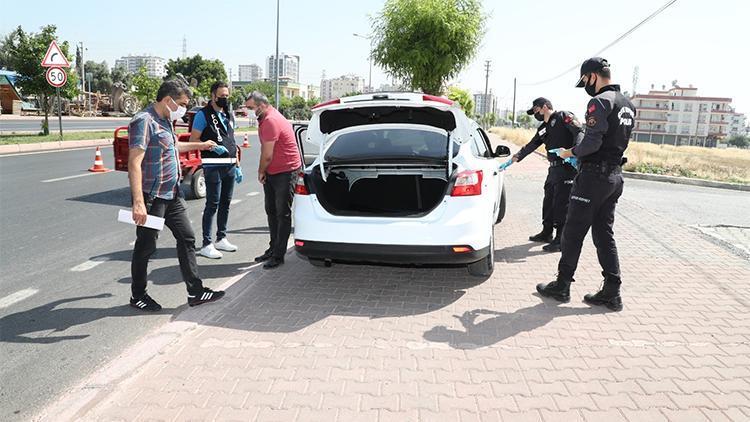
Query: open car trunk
{"x": 380, "y": 190}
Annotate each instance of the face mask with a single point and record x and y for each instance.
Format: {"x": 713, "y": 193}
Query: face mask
{"x": 539, "y": 116}
{"x": 222, "y": 102}
{"x": 591, "y": 89}
{"x": 177, "y": 114}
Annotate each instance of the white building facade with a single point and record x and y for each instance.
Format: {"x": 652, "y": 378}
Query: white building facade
{"x": 156, "y": 67}
{"x": 287, "y": 66}
{"x": 337, "y": 87}
{"x": 250, "y": 73}
{"x": 678, "y": 116}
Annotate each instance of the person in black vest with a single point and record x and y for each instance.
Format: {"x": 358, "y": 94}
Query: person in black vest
{"x": 610, "y": 118}
{"x": 559, "y": 129}
{"x": 221, "y": 167}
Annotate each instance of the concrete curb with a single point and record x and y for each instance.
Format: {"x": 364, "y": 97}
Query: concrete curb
{"x": 49, "y": 146}
{"x": 685, "y": 181}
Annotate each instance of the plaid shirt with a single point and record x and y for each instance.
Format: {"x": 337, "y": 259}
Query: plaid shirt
{"x": 161, "y": 164}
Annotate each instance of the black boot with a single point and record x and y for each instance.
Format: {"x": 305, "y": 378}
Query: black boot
{"x": 608, "y": 296}
{"x": 544, "y": 236}
{"x": 554, "y": 245}
{"x": 558, "y": 289}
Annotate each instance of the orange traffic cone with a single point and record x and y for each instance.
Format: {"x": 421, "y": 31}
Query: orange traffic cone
{"x": 245, "y": 143}
{"x": 98, "y": 163}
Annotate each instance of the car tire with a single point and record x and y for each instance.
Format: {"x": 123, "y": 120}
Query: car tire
{"x": 485, "y": 266}
{"x": 501, "y": 207}
{"x": 198, "y": 185}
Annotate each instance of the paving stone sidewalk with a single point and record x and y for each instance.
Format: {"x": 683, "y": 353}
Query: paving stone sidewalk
{"x": 353, "y": 343}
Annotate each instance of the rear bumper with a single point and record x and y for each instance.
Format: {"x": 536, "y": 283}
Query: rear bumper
{"x": 387, "y": 254}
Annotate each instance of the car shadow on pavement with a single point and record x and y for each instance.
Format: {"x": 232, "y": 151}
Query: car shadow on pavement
{"x": 519, "y": 253}
{"x": 297, "y": 295}
{"x": 501, "y": 325}
{"x": 119, "y": 197}
{"x": 18, "y": 327}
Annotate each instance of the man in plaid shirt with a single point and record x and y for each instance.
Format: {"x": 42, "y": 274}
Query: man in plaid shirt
{"x": 154, "y": 173}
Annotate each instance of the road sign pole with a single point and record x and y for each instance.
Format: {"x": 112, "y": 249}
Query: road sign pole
{"x": 59, "y": 114}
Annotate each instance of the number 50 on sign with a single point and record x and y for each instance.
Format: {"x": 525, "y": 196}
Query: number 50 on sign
{"x": 56, "y": 77}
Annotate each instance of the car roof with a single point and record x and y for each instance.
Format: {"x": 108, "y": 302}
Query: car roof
{"x": 384, "y": 99}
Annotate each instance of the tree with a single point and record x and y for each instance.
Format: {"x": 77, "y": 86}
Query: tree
{"x": 352, "y": 93}
{"x": 146, "y": 87}
{"x": 197, "y": 68}
{"x": 24, "y": 53}
{"x": 463, "y": 98}
{"x": 101, "y": 78}
{"x": 739, "y": 141}
{"x": 425, "y": 43}
{"x": 121, "y": 74}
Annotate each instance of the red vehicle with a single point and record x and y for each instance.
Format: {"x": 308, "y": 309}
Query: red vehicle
{"x": 190, "y": 161}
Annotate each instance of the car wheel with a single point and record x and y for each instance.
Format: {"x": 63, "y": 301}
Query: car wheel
{"x": 485, "y": 266}
{"x": 501, "y": 208}
{"x": 198, "y": 185}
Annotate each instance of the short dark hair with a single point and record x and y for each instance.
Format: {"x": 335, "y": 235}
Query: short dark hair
{"x": 604, "y": 72}
{"x": 218, "y": 84}
{"x": 173, "y": 88}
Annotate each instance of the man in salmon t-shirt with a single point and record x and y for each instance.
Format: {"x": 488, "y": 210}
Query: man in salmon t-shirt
{"x": 279, "y": 164}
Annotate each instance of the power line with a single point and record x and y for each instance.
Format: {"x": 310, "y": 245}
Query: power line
{"x": 618, "y": 39}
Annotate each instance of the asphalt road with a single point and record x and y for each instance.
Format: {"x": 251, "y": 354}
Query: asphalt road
{"x": 73, "y": 124}
{"x": 65, "y": 265}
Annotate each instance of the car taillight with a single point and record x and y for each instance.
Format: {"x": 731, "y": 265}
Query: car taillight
{"x": 300, "y": 188}
{"x": 462, "y": 249}
{"x": 468, "y": 183}
{"x": 299, "y": 243}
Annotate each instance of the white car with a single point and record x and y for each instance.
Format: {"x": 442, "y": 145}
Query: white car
{"x": 397, "y": 178}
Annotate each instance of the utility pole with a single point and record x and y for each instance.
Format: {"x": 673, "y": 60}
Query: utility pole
{"x": 230, "y": 78}
{"x": 513, "y": 122}
{"x": 485, "y": 100}
{"x": 184, "y": 47}
{"x": 277, "y": 55}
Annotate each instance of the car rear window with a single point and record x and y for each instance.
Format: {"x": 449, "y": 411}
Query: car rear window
{"x": 390, "y": 143}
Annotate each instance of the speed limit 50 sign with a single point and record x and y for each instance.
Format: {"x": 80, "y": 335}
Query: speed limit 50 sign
{"x": 56, "y": 77}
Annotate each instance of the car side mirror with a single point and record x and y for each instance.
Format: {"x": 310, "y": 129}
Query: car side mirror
{"x": 502, "y": 151}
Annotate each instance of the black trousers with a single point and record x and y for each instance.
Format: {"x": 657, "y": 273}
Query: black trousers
{"x": 592, "y": 205}
{"x": 556, "y": 194}
{"x": 279, "y": 193}
{"x": 174, "y": 213}
{"x": 219, "y": 190}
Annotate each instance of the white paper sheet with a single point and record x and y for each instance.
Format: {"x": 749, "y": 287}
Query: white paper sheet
{"x": 152, "y": 222}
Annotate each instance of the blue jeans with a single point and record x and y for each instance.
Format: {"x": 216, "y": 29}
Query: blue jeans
{"x": 219, "y": 189}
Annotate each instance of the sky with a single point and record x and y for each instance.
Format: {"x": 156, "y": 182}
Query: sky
{"x": 703, "y": 43}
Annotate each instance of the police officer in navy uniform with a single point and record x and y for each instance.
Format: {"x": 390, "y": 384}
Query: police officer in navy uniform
{"x": 559, "y": 129}
{"x": 610, "y": 118}
{"x": 215, "y": 122}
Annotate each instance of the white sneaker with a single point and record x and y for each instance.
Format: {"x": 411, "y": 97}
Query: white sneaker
{"x": 224, "y": 245}
{"x": 210, "y": 252}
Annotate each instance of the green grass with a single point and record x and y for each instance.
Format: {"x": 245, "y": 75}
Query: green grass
{"x": 32, "y": 138}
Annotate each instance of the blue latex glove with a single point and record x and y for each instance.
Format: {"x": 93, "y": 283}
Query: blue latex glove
{"x": 218, "y": 149}
{"x": 238, "y": 175}
{"x": 573, "y": 161}
{"x": 506, "y": 164}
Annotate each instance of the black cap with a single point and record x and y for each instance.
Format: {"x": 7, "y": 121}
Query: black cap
{"x": 589, "y": 66}
{"x": 539, "y": 102}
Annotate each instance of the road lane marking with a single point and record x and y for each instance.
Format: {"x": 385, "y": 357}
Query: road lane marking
{"x": 17, "y": 297}
{"x": 71, "y": 177}
{"x": 89, "y": 264}
{"x": 253, "y": 194}
{"x": 235, "y": 201}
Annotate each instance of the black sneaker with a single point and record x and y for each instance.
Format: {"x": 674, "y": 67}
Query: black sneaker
{"x": 543, "y": 236}
{"x": 273, "y": 263}
{"x": 145, "y": 304}
{"x": 558, "y": 290}
{"x": 612, "y": 300}
{"x": 265, "y": 257}
{"x": 553, "y": 246}
{"x": 208, "y": 295}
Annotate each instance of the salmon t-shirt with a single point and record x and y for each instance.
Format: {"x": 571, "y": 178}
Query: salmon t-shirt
{"x": 274, "y": 127}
